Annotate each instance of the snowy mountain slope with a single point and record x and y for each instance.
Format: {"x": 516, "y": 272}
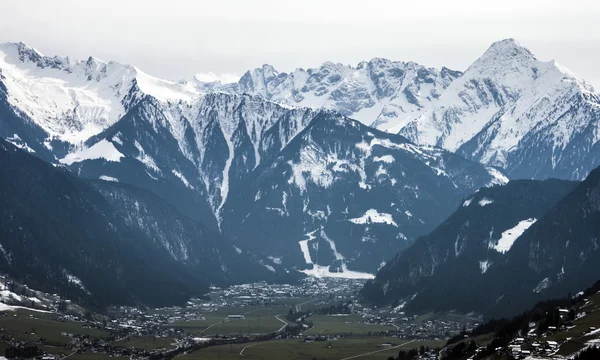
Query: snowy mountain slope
{"x": 196, "y": 149}
{"x": 198, "y": 154}
{"x": 518, "y": 113}
{"x": 532, "y": 118}
{"x": 74, "y": 100}
{"x": 113, "y": 120}
{"x": 343, "y": 195}
{"x": 373, "y": 92}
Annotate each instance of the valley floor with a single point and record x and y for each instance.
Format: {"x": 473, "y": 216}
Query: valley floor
{"x": 320, "y": 318}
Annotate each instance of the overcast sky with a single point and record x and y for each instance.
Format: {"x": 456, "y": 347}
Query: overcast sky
{"x": 176, "y": 39}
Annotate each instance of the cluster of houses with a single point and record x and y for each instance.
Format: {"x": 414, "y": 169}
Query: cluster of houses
{"x": 546, "y": 345}
{"x": 410, "y": 327}
{"x": 519, "y": 349}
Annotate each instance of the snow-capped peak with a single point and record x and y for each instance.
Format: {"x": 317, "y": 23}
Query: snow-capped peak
{"x": 74, "y": 100}
{"x": 506, "y": 96}
{"x": 372, "y": 92}
{"x": 503, "y": 51}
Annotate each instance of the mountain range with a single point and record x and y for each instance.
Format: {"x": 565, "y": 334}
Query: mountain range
{"x": 202, "y": 151}
{"x": 328, "y": 171}
{"x": 530, "y": 118}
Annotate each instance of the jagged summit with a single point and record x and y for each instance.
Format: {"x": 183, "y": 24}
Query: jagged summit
{"x": 507, "y": 49}
{"x": 73, "y": 100}
{"x": 506, "y": 99}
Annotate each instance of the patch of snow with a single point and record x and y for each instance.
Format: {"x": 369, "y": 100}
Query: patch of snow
{"x": 75, "y": 280}
{"x": 146, "y": 159}
{"x": 276, "y": 260}
{"x": 485, "y": 201}
{"x": 399, "y": 307}
{"x": 225, "y": 179}
{"x": 270, "y": 268}
{"x": 201, "y": 339}
{"x": 182, "y": 178}
{"x": 388, "y": 159}
{"x": 375, "y": 217}
{"x": 9, "y": 295}
{"x": 468, "y": 202}
{"x": 509, "y": 236}
{"x": 103, "y": 149}
{"x": 16, "y": 141}
{"x": 331, "y": 243}
{"x": 544, "y": 284}
{"x": 5, "y": 307}
{"x": 498, "y": 178}
{"x": 484, "y": 266}
{"x": 324, "y": 272}
{"x": 304, "y": 246}
{"x": 117, "y": 138}
{"x": 321, "y": 271}
{"x": 108, "y": 178}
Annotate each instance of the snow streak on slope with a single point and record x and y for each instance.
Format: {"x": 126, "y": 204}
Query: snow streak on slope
{"x": 324, "y": 271}
{"x": 101, "y": 150}
{"x": 304, "y": 246}
{"x": 511, "y": 235}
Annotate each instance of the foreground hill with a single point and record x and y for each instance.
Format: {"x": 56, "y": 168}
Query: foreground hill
{"x": 464, "y": 247}
{"x": 104, "y": 243}
{"x": 511, "y": 245}
{"x": 558, "y": 328}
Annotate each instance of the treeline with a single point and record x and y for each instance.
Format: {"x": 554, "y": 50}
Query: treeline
{"x": 460, "y": 351}
{"x": 591, "y": 353}
{"x": 412, "y": 353}
{"x": 26, "y": 352}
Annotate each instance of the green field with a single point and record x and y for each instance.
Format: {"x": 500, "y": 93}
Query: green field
{"x": 296, "y": 349}
{"x": 93, "y": 356}
{"x": 145, "y": 342}
{"x": 42, "y": 325}
{"x": 324, "y": 324}
{"x": 256, "y": 321}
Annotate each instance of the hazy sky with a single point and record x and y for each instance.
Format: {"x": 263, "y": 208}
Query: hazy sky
{"x": 175, "y": 39}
